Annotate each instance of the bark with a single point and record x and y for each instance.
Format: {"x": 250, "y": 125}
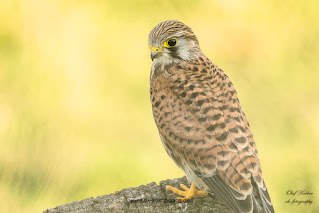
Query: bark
{"x": 145, "y": 198}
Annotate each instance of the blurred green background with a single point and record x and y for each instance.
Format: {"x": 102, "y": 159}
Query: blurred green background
{"x": 75, "y": 115}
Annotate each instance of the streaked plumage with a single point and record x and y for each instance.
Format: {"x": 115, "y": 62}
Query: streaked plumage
{"x": 200, "y": 121}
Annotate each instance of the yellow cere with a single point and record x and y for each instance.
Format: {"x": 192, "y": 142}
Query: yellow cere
{"x": 157, "y": 49}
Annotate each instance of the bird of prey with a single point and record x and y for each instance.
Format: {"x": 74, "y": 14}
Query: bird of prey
{"x": 201, "y": 124}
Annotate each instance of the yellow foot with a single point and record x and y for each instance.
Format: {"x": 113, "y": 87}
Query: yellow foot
{"x": 189, "y": 193}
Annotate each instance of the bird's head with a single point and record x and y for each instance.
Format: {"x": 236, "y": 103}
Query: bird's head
{"x": 172, "y": 41}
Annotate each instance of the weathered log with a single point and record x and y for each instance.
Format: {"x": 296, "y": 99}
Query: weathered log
{"x": 149, "y": 198}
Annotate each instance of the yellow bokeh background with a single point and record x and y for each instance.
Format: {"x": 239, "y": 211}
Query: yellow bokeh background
{"x": 75, "y": 115}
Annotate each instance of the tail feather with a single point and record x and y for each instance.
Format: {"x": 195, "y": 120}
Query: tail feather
{"x": 265, "y": 199}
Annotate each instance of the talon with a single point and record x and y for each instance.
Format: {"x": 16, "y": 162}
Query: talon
{"x": 188, "y": 194}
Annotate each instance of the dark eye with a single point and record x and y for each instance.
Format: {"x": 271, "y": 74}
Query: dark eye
{"x": 171, "y": 42}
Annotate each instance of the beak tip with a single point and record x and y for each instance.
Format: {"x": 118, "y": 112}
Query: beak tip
{"x": 153, "y": 55}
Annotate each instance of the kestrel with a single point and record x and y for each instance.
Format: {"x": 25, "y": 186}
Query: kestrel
{"x": 201, "y": 124}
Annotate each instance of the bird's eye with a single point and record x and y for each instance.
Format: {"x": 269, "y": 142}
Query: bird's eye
{"x": 170, "y": 43}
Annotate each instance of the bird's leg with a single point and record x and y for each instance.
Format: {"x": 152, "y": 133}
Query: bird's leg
{"x": 188, "y": 194}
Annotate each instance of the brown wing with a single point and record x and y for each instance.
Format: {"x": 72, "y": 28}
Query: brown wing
{"x": 201, "y": 122}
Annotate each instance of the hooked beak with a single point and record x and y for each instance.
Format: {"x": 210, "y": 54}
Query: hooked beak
{"x": 155, "y": 52}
